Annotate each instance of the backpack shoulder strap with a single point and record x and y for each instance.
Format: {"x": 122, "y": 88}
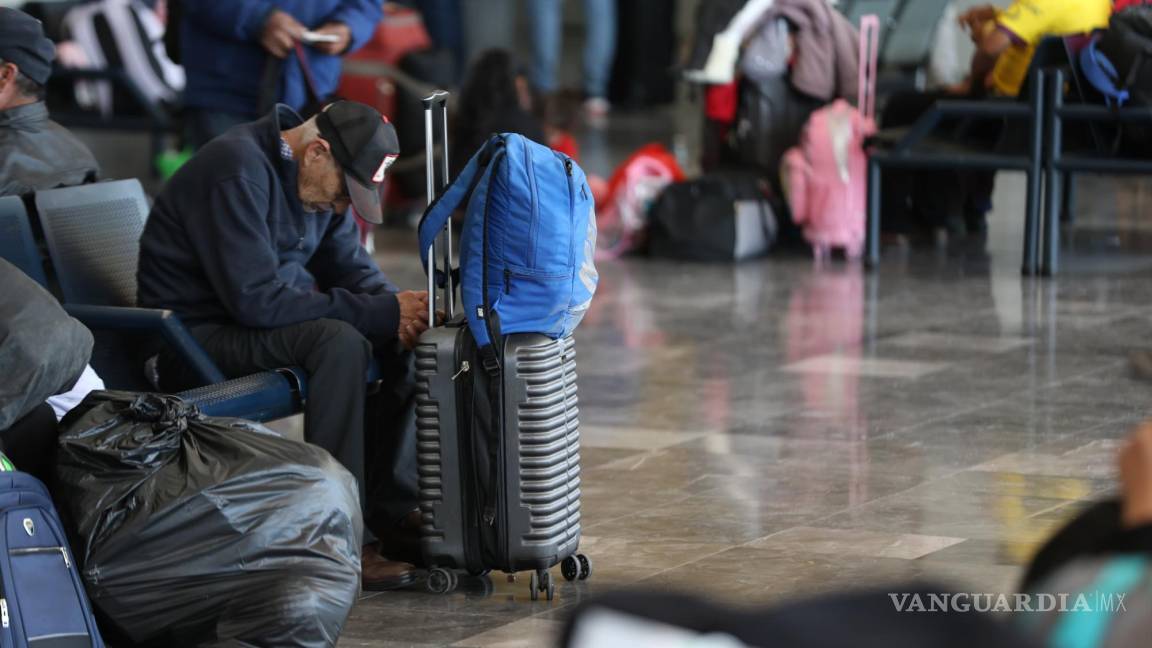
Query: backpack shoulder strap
{"x": 458, "y": 193}
{"x": 1101, "y": 73}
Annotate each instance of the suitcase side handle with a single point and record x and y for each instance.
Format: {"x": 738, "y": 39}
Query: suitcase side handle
{"x": 438, "y": 98}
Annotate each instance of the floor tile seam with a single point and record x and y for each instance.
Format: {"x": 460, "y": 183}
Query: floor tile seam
{"x": 689, "y": 562}
{"x": 942, "y": 477}
{"x": 629, "y": 515}
{"x": 1057, "y": 507}
{"x": 990, "y": 404}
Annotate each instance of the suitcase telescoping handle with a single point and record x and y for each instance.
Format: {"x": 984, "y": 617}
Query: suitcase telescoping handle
{"x": 869, "y": 60}
{"x": 438, "y": 98}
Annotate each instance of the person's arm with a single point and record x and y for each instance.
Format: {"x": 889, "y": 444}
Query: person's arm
{"x": 988, "y": 52}
{"x": 353, "y": 22}
{"x": 237, "y": 253}
{"x": 341, "y": 262}
{"x": 975, "y": 18}
{"x": 361, "y": 16}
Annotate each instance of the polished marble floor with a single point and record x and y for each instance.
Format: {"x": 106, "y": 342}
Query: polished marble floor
{"x": 774, "y": 429}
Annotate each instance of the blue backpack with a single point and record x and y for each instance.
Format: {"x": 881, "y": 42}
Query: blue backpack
{"x": 529, "y": 240}
{"x": 43, "y": 600}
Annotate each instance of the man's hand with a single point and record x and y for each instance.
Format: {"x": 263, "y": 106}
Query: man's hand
{"x": 281, "y": 33}
{"x": 962, "y": 89}
{"x": 413, "y": 317}
{"x": 1136, "y": 477}
{"x": 974, "y": 19}
{"x": 341, "y": 31}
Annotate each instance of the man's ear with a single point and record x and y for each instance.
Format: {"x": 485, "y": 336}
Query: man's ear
{"x": 317, "y": 150}
{"x": 8, "y": 72}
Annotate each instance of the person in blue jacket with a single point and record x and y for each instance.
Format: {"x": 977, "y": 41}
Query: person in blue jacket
{"x": 240, "y": 55}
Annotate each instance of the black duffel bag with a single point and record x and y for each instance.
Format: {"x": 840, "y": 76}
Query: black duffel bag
{"x": 196, "y": 531}
{"x": 718, "y": 217}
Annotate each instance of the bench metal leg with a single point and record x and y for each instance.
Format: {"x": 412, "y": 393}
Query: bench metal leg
{"x": 1068, "y": 216}
{"x": 872, "y": 256}
{"x": 1032, "y": 224}
{"x": 1049, "y": 264}
{"x": 1052, "y": 209}
{"x": 1036, "y": 168}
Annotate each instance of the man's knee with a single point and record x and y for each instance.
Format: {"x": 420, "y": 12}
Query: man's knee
{"x": 340, "y": 341}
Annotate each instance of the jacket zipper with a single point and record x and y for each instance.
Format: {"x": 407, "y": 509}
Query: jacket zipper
{"x": 507, "y": 281}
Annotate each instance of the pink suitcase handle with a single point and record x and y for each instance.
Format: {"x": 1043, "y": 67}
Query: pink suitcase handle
{"x": 869, "y": 61}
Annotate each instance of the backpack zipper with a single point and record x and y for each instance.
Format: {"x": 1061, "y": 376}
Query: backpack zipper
{"x": 535, "y": 227}
{"x": 571, "y": 206}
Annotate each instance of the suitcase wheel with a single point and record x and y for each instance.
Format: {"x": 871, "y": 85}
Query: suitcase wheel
{"x": 541, "y": 582}
{"x": 585, "y": 566}
{"x": 442, "y": 581}
{"x": 576, "y": 567}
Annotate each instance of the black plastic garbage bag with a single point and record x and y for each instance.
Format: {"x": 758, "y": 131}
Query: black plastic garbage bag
{"x": 206, "y": 531}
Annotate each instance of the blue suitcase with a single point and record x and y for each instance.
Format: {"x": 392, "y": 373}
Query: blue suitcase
{"x": 42, "y": 603}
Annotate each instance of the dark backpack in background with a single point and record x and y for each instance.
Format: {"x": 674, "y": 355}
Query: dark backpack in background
{"x": 718, "y": 217}
{"x": 770, "y": 117}
{"x": 1128, "y": 45}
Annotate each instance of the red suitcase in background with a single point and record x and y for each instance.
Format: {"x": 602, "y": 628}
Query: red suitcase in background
{"x": 401, "y": 31}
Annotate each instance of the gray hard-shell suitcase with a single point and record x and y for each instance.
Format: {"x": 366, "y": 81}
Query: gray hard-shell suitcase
{"x": 498, "y": 451}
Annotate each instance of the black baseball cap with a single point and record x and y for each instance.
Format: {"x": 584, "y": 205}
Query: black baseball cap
{"x": 22, "y": 42}
{"x": 364, "y": 143}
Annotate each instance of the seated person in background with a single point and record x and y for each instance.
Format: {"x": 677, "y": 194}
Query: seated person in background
{"x": 1006, "y": 41}
{"x": 35, "y": 152}
{"x": 251, "y": 243}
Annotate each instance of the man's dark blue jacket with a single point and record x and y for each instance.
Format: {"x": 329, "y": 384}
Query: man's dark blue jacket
{"x": 228, "y": 241}
{"x": 224, "y": 62}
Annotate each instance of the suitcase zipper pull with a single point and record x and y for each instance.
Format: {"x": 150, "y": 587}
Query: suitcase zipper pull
{"x": 465, "y": 367}
{"x": 4, "y": 612}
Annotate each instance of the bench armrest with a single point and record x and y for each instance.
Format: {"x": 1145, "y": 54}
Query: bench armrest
{"x": 261, "y": 397}
{"x": 164, "y": 322}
